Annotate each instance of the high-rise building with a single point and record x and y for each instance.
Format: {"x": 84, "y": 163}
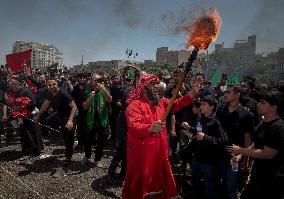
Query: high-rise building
{"x": 42, "y": 54}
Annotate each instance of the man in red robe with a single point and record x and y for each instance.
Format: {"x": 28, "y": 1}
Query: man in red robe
{"x": 148, "y": 173}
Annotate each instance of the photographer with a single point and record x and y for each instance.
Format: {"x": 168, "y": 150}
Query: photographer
{"x": 96, "y": 101}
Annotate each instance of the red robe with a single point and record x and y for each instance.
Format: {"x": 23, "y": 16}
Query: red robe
{"x": 148, "y": 167}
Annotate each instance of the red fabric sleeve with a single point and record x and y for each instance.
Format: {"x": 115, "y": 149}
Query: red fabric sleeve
{"x": 179, "y": 103}
{"x": 135, "y": 121}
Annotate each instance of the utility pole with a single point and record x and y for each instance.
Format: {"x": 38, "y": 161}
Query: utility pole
{"x": 82, "y": 62}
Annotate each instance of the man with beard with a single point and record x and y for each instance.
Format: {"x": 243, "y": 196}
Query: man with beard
{"x": 31, "y": 142}
{"x": 78, "y": 96}
{"x": 148, "y": 167}
{"x": 65, "y": 107}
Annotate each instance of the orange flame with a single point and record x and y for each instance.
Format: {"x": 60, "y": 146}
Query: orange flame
{"x": 204, "y": 30}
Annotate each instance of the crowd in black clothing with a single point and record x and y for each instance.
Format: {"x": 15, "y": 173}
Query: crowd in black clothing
{"x": 229, "y": 134}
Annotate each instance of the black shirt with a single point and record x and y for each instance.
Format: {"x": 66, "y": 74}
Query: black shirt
{"x": 3, "y": 80}
{"x": 125, "y": 92}
{"x": 269, "y": 134}
{"x": 2, "y": 98}
{"x": 179, "y": 114}
{"x": 250, "y": 104}
{"x": 236, "y": 123}
{"x": 116, "y": 93}
{"x": 212, "y": 148}
{"x": 78, "y": 96}
{"x": 60, "y": 103}
{"x": 41, "y": 96}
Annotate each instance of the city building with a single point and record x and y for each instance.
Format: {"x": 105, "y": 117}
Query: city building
{"x": 42, "y": 55}
{"x": 174, "y": 58}
{"x": 274, "y": 62}
{"x": 149, "y": 63}
{"x": 109, "y": 64}
{"x": 243, "y": 52}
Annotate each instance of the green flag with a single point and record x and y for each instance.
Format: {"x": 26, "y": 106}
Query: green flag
{"x": 130, "y": 73}
{"x": 235, "y": 78}
{"x": 215, "y": 78}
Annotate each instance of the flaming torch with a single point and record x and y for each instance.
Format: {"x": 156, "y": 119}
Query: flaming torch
{"x": 201, "y": 34}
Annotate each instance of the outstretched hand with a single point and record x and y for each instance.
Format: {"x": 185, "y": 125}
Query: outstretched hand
{"x": 196, "y": 86}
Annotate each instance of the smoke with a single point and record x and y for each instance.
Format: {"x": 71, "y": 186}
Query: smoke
{"x": 268, "y": 25}
{"x": 65, "y": 23}
{"x": 171, "y": 22}
{"x": 175, "y": 22}
{"x": 128, "y": 12}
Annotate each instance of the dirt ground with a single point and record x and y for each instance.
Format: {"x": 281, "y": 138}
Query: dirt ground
{"x": 45, "y": 177}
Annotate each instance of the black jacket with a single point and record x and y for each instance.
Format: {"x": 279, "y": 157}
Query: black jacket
{"x": 212, "y": 148}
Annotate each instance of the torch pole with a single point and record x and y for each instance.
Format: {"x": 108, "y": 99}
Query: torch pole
{"x": 180, "y": 82}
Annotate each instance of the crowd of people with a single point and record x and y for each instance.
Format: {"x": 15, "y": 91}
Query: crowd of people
{"x": 230, "y": 137}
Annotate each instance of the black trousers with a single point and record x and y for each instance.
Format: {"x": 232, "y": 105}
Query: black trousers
{"x": 97, "y": 135}
{"x": 1, "y": 129}
{"x": 57, "y": 122}
{"x": 264, "y": 187}
{"x": 68, "y": 137}
{"x": 113, "y": 126}
{"x": 119, "y": 156}
{"x": 120, "y": 150}
{"x": 30, "y": 137}
{"x": 81, "y": 125}
{"x": 44, "y": 120}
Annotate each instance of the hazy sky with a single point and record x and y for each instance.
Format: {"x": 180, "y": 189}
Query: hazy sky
{"x": 104, "y": 29}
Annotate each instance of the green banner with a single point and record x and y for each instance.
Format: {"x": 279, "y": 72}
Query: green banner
{"x": 235, "y": 78}
{"x": 130, "y": 73}
{"x": 216, "y": 77}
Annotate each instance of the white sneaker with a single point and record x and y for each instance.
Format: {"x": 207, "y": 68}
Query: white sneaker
{"x": 85, "y": 161}
{"x": 99, "y": 164}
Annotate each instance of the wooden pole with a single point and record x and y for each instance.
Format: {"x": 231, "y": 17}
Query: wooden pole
{"x": 180, "y": 82}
